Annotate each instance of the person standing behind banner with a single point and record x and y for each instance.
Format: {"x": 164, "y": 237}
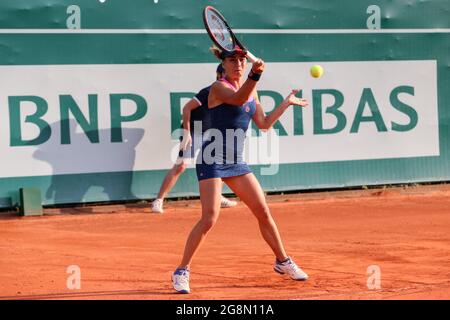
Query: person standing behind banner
{"x": 196, "y": 110}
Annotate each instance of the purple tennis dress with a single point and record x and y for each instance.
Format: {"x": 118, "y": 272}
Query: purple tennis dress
{"x": 223, "y": 156}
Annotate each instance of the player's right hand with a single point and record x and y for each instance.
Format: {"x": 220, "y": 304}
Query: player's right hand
{"x": 258, "y": 66}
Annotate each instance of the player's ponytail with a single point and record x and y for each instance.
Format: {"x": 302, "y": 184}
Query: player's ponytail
{"x": 216, "y": 52}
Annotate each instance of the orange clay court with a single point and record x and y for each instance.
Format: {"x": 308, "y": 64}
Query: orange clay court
{"x": 126, "y": 252}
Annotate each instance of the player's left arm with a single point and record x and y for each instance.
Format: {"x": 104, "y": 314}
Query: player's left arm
{"x": 264, "y": 121}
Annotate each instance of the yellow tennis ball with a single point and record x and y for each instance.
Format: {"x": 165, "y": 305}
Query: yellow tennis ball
{"x": 316, "y": 71}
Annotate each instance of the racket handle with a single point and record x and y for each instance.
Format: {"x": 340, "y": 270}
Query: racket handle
{"x": 251, "y": 57}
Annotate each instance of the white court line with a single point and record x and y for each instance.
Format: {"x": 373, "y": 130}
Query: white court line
{"x": 202, "y": 31}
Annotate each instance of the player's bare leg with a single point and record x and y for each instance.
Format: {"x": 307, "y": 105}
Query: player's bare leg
{"x": 210, "y": 198}
{"x": 248, "y": 189}
{"x": 210, "y": 195}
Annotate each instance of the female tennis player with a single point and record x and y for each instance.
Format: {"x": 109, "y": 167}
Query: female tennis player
{"x": 233, "y": 103}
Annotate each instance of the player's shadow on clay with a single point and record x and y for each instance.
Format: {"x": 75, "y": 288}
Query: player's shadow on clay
{"x": 86, "y": 171}
{"x": 93, "y": 294}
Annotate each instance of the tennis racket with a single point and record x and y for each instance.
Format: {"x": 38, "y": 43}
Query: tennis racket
{"x": 221, "y": 33}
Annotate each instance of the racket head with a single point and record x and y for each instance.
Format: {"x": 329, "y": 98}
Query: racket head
{"x": 239, "y": 44}
{"x": 220, "y": 32}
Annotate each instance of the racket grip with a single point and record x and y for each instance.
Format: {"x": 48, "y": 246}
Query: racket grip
{"x": 251, "y": 57}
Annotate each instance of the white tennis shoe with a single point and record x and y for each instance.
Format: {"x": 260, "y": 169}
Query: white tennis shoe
{"x": 290, "y": 268}
{"x": 227, "y": 203}
{"x": 157, "y": 206}
{"x": 180, "y": 280}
